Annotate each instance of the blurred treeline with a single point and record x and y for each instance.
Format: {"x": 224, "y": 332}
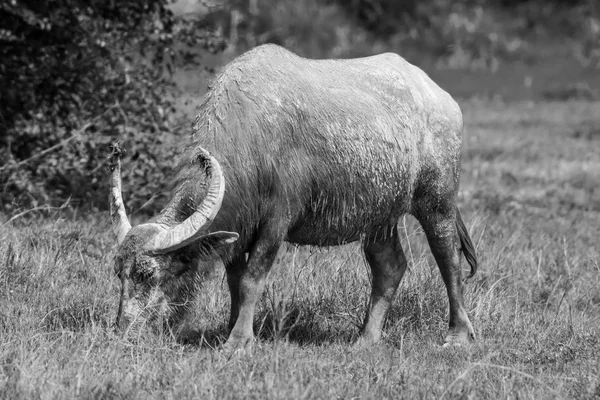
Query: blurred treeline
{"x": 457, "y": 33}
{"x": 76, "y": 75}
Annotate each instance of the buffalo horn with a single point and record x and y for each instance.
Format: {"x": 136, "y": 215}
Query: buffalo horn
{"x": 118, "y": 216}
{"x": 195, "y": 225}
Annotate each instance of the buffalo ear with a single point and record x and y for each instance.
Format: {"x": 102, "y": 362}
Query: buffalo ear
{"x": 220, "y": 238}
{"x": 204, "y": 249}
{"x": 209, "y": 243}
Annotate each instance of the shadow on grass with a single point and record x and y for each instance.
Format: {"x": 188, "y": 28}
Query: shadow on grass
{"x": 302, "y": 324}
{"x": 327, "y": 323}
{"x": 299, "y": 325}
{"x": 212, "y": 338}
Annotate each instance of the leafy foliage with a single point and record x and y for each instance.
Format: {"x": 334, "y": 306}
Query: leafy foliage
{"x": 100, "y": 65}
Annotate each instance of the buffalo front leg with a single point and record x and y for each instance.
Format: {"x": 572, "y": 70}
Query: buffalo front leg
{"x": 246, "y": 282}
{"x": 443, "y": 241}
{"x": 388, "y": 264}
{"x": 234, "y": 273}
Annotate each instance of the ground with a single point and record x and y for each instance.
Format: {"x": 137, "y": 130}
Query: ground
{"x": 530, "y": 196}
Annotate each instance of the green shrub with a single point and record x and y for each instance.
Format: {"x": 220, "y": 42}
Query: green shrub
{"x": 77, "y": 75}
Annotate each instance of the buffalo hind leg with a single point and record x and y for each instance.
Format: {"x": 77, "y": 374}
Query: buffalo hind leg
{"x": 442, "y": 236}
{"x": 246, "y": 282}
{"x": 387, "y": 261}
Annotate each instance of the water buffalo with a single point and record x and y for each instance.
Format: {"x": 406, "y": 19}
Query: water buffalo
{"x": 312, "y": 152}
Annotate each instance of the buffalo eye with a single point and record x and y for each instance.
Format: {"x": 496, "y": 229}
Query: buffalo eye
{"x": 138, "y": 277}
{"x": 143, "y": 276}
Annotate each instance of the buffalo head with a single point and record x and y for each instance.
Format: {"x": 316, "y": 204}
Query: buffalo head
{"x": 157, "y": 261}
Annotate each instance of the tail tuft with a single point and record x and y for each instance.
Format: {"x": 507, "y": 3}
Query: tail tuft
{"x": 466, "y": 244}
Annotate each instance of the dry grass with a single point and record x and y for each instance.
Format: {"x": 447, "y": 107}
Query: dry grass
{"x": 531, "y": 197}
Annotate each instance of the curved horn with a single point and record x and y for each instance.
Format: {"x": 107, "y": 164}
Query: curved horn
{"x": 120, "y": 223}
{"x": 196, "y": 224}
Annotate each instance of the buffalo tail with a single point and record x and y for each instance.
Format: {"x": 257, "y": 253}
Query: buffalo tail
{"x": 466, "y": 244}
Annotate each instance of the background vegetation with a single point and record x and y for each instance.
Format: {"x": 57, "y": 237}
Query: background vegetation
{"x": 76, "y": 75}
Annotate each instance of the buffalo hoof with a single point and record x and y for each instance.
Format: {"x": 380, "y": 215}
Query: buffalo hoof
{"x": 361, "y": 343}
{"x": 365, "y": 341}
{"x": 457, "y": 339}
{"x": 237, "y": 345}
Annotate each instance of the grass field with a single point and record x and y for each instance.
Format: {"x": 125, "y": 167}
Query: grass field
{"x": 530, "y": 195}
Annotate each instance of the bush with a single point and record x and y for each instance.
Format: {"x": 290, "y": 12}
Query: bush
{"x": 77, "y": 75}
